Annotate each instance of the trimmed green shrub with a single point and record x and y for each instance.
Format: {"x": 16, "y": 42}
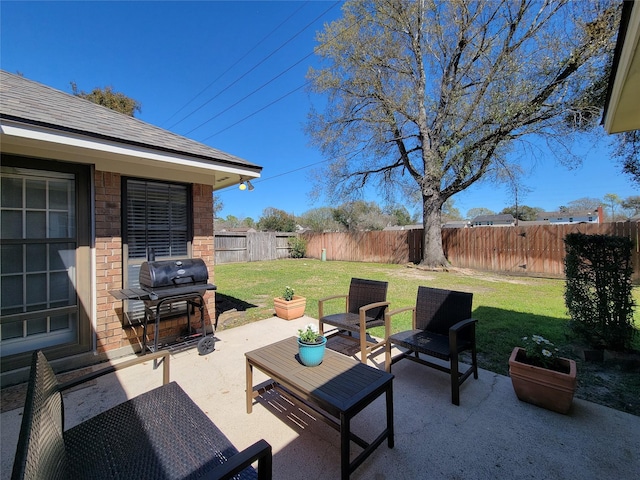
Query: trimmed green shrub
{"x": 298, "y": 247}
{"x": 598, "y": 291}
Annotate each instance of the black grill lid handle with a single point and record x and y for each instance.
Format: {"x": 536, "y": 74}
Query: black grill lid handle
{"x": 178, "y": 280}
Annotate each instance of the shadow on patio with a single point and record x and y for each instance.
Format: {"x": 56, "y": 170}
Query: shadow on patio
{"x": 490, "y": 435}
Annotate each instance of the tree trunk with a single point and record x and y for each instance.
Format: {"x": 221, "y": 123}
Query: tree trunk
{"x": 432, "y": 252}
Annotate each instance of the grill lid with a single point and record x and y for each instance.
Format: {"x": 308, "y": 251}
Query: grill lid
{"x": 173, "y": 273}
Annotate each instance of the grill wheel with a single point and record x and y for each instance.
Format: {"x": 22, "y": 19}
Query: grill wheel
{"x": 206, "y": 345}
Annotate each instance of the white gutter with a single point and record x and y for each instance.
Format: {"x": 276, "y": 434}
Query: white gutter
{"x": 623, "y": 108}
{"x": 103, "y": 153}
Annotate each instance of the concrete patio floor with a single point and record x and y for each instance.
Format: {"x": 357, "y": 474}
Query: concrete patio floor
{"x": 490, "y": 435}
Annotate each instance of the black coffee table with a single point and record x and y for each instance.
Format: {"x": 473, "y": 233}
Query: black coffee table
{"x": 338, "y": 389}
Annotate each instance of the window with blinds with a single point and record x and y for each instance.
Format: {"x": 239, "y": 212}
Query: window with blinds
{"x": 158, "y": 223}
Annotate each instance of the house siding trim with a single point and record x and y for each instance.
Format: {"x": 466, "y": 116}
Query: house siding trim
{"x": 101, "y": 151}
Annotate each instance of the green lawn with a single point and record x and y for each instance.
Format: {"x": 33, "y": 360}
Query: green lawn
{"x": 507, "y": 307}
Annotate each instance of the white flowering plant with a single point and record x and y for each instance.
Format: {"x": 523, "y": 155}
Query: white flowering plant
{"x": 288, "y": 293}
{"x": 540, "y": 351}
{"x": 309, "y": 334}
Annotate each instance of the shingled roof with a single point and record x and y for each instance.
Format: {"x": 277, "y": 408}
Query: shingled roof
{"x": 28, "y": 102}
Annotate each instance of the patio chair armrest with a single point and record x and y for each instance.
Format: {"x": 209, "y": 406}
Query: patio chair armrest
{"x": 260, "y": 451}
{"x": 391, "y": 313}
{"x": 321, "y": 302}
{"x": 462, "y": 324}
{"x": 369, "y": 306}
{"x": 470, "y": 324}
{"x": 332, "y": 297}
{"x": 119, "y": 366}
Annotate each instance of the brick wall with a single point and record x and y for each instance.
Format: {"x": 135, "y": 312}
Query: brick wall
{"x": 110, "y": 332}
{"x": 109, "y": 267}
{"x": 203, "y": 239}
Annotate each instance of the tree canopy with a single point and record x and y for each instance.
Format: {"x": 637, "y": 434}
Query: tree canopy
{"x": 627, "y": 150}
{"x": 275, "y": 220}
{"x": 584, "y": 203}
{"x": 431, "y": 96}
{"x": 523, "y": 212}
{"x": 108, "y": 98}
{"x": 477, "y": 211}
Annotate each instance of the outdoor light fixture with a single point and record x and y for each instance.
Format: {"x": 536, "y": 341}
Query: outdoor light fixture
{"x": 244, "y": 184}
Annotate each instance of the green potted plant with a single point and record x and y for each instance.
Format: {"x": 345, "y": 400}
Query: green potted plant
{"x": 311, "y": 346}
{"x": 541, "y": 377}
{"x": 289, "y": 306}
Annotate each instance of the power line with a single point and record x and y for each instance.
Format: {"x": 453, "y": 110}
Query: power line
{"x": 235, "y": 63}
{"x": 254, "y": 67}
{"x": 256, "y": 90}
{"x": 257, "y": 111}
{"x": 252, "y": 93}
{"x": 261, "y": 179}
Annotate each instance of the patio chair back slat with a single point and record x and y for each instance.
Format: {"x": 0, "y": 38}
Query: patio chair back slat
{"x": 363, "y": 292}
{"x": 438, "y": 309}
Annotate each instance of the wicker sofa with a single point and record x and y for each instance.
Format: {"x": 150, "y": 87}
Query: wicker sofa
{"x": 160, "y": 434}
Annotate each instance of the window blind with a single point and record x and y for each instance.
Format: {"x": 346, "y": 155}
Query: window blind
{"x": 157, "y": 227}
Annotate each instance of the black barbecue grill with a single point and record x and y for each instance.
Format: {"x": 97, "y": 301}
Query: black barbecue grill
{"x": 169, "y": 281}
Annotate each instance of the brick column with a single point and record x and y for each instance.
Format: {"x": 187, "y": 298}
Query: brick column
{"x": 203, "y": 240}
{"x": 109, "y": 262}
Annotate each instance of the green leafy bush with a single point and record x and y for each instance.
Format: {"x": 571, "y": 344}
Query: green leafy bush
{"x": 288, "y": 293}
{"x": 298, "y": 247}
{"x": 598, "y": 290}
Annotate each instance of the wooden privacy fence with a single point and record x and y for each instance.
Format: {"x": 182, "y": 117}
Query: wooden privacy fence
{"x": 393, "y": 246}
{"x": 528, "y": 250}
{"x": 251, "y": 246}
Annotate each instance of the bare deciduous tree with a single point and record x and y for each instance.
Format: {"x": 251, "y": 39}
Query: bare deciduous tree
{"x": 431, "y": 95}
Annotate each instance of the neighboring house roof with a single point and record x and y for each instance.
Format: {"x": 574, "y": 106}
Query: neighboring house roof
{"x": 621, "y": 112}
{"x": 35, "y": 110}
{"x": 404, "y": 227}
{"x": 567, "y": 214}
{"x": 532, "y": 223}
{"x": 456, "y": 224}
{"x": 502, "y": 218}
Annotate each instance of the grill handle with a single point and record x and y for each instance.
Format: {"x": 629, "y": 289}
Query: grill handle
{"x": 182, "y": 279}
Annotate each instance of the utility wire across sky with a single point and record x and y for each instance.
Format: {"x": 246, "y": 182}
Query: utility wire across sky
{"x": 234, "y": 82}
{"x": 260, "y": 42}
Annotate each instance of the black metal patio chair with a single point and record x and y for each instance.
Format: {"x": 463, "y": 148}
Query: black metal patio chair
{"x": 442, "y": 328}
{"x": 365, "y": 307}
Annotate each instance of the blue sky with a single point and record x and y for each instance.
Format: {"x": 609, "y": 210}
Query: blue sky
{"x": 231, "y": 74}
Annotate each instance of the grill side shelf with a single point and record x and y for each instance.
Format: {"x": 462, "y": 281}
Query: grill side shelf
{"x": 130, "y": 294}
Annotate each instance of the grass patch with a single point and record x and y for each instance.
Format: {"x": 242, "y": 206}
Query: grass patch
{"x": 507, "y": 308}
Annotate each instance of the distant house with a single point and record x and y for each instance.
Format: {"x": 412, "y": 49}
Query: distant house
{"x": 237, "y": 230}
{"x": 577, "y": 216}
{"x": 89, "y": 194}
{"x": 457, "y": 224}
{"x": 501, "y": 220}
{"x": 414, "y": 226}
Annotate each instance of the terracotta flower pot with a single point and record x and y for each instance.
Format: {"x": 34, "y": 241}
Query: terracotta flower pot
{"x": 543, "y": 387}
{"x": 291, "y": 309}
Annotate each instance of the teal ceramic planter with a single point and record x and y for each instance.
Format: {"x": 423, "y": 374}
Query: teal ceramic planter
{"x": 311, "y": 355}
